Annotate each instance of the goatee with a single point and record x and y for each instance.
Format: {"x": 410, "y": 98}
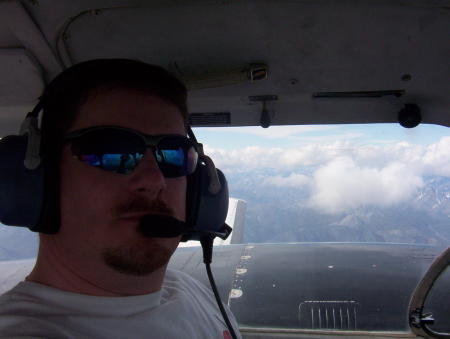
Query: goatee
{"x": 138, "y": 259}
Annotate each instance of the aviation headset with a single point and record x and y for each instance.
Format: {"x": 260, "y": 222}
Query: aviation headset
{"x": 29, "y": 186}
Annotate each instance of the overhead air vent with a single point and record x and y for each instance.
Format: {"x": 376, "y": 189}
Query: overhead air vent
{"x": 210, "y": 119}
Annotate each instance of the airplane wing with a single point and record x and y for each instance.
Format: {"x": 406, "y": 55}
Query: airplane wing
{"x": 335, "y": 289}
{"x": 14, "y": 271}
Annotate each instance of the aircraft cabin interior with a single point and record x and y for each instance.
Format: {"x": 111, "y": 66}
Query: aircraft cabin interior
{"x": 330, "y": 120}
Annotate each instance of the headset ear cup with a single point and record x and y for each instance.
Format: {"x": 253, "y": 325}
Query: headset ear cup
{"x": 193, "y": 191}
{"x": 206, "y": 212}
{"x": 21, "y": 189}
{"x": 213, "y": 208}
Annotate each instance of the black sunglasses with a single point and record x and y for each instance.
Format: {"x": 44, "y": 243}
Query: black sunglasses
{"x": 120, "y": 150}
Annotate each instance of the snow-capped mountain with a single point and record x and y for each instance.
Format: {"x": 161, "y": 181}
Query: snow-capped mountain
{"x": 285, "y": 214}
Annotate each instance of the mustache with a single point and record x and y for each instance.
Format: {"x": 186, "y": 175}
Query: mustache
{"x": 144, "y": 205}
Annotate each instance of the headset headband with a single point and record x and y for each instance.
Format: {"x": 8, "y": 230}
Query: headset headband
{"x": 30, "y": 186}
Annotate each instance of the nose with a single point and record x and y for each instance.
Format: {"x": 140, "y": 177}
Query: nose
{"x": 147, "y": 177}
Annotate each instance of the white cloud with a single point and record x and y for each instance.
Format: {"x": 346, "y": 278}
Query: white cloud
{"x": 436, "y": 159}
{"x": 433, "y": 159}
{"x": 327, "y": 138}
{"x": 285, "y": 159}
{"x": 293, "y": 180}
{"x": 245, "y": 159}
{"x": 342, "y": 184}
{"x": 342, "y": 174}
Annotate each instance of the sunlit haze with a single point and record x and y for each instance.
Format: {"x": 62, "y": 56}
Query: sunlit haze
{"x": 340, "y": 167}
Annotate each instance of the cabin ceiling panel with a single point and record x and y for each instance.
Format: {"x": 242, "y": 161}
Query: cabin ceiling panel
{"x": 11, "y": 118}
{"x": 7, "y": 38}
{"x": 308, "y": 47}
{"x": 52, "y": 15}
{"x": 21, "y": 78}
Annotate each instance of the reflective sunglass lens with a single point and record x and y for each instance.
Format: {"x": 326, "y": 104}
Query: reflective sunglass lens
{"x": 176, "y": 156}
{"x": 123, "y": 163}
{"x": 121, "y": 151}
{"x": 171, "y": 157}
{"x": 90, "y": 159}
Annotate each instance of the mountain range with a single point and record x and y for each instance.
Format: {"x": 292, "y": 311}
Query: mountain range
{"x": 283, "y": 214}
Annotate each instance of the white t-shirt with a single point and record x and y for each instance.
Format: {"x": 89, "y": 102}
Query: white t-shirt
{"x": 183, "y": 308}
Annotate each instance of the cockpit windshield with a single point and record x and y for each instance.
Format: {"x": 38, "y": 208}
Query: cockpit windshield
{"x": 338, "y": 183}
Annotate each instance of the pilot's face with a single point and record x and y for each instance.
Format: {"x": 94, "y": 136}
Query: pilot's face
{"x": 100, "y": 210}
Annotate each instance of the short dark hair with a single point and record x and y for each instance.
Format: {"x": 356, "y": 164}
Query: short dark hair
{"x": 69, "y": 90}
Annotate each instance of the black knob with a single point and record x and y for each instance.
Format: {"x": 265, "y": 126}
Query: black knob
{"x": 265, "y": 119}
{"x": 409, "y": 116}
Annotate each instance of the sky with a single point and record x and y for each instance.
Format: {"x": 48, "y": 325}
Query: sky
{"x": 229, "y": 138}
{"x": 340, "y": 166}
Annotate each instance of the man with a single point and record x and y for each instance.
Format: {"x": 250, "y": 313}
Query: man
{"x": 99, "y": 276}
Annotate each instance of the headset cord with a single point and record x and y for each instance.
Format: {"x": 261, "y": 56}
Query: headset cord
{"x": 207, "y": 246}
